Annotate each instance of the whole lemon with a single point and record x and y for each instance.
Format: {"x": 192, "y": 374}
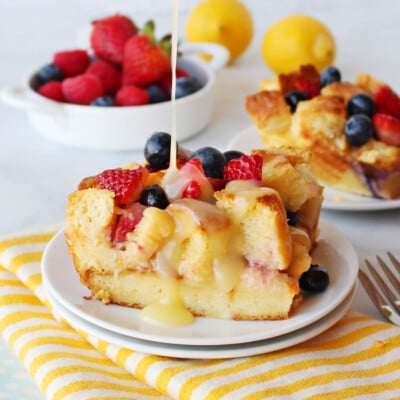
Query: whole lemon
{"x": 225, "y": 22}
{"x": 298, "y": 40}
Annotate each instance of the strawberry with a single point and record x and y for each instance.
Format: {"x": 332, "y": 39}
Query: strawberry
{"x": 109, "y": 75}
{"x": 244, "y": 167}
{"x": 387, "y": 129}
{"x": 127, "y": 184}
{"x": 312, "y": 89}
{"x": 109, "y": 35}
{"x": 52, "y": 90}
{"x": 195, "y": 184}
{"x": 71, "y": 62}
{"x": 130, "y": 217}
{"x": 192, "y": 190}
{"x": 166, "y": 83}
{"x": 387, "y": 102}
{"x": 132, "y": 96}
{"x": 82, "y": 89}
{"x": 145, "y": 61}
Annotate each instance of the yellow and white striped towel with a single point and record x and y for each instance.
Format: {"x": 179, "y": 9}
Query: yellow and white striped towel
{"x": 357, "y": 358}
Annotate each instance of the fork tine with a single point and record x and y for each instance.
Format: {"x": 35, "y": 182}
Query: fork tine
{"x": 395, "y": 261}
{"x": 382, "y": 284}
{"x": 375, "y": 296}
{"x": 394, "y": 281}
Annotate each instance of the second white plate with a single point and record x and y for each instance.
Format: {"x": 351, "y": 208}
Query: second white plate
{"x": 334, "y": 252}
{"x": 208, "y": 352}
{"x": 334, "y": 199}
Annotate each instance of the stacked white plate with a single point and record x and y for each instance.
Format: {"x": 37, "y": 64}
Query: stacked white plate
{"x": 206, "y": 337}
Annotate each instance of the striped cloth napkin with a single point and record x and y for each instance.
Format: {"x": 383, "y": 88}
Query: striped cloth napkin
{"x": 357, "y": 358}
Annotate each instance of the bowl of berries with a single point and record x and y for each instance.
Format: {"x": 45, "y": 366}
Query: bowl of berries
{"x": 110, "y": 96}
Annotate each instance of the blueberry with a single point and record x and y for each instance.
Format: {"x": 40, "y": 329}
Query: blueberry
{"x": 47, "y": 73}
{"x": 293, "y": 97}
{"x": 154, "y": 196}
{"x": 315, "y": 280}
{"x": 212, "y": 160}
{"x": 329, "y": 75}
{"x": 186, "y": 86}
{"x": 157, "y": 150}
{"x": 156, "y": 94}
{"x": 358, "y": 129}
{"x": 104, "y": 101}
{"x": 293, "y": 218}
{"x": 361, "y": 103}
{"x": 232, "y": 154}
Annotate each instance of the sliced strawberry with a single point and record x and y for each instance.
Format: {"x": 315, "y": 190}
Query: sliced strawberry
{"x": 192, "y": 190}
{"x": 387, "y": 102}
{"x": 244, "y": 167}
{"x": 311, "y": 89}
{"x": 127, "y": 184}
{"x": 128, "y": 220}
{"x": 109, "y": 36}
{"x": 387, "y": 128}
{"x": 190, "y": 177}
{"x": 196, "y": 163}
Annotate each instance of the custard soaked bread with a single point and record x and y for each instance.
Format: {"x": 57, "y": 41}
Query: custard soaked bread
{"x": 352, "y": 130}
{"x": 231, "y": 247}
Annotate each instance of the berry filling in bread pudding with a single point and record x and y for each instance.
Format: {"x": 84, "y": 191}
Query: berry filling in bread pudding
{"x": 352, "y": 130}
{"x": 222, "y": 235}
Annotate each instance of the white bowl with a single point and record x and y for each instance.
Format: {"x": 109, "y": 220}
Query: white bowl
{"x": 124, "y": 128}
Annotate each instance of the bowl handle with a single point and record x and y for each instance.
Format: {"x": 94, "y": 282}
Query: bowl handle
{"x": 220, "y": 54}
{"x": 18, "y": 97}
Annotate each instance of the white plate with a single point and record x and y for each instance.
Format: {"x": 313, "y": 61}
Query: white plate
{"x": 334, "y": 199}
{"x": 208, "y": 352}
{"x": 333, "y": 252}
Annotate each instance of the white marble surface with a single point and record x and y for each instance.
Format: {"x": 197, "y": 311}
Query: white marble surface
{"x": 36, "y": 175}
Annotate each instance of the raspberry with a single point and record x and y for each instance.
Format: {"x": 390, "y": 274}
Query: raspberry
{"x": 71, "y": 62}
{"x": 109, "y": 35}
{"x": 244, "y": 167}
{"x": 387, "y": 102}
{"x": 109, "y": 75}
{"x": 82, "y": 89}
{"x": 52, "y": 90}
{"x": 145, "y": 62}
{"x": 132, "y": 96}
{"x": 127, "y": 184}
{"x": 192, "y": 190}
{"x": 312, "y": 89}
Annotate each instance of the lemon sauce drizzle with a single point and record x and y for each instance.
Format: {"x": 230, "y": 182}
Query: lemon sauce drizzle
{"x": 169, "y": 309}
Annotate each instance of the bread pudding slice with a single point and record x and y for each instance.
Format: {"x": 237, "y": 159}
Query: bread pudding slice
{"x": 328, "y": 122}
{"x": 234, "y": 255}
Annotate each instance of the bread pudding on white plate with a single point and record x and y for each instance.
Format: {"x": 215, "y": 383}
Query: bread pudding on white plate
{"x": 351, "y": 129}
{"x": 222, "y": 235}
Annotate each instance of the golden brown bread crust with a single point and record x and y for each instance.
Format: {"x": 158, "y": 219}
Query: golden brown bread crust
{"x": 343, "y": 90}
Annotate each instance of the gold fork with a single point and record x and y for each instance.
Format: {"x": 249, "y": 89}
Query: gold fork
{"x": 385, "y": 296}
